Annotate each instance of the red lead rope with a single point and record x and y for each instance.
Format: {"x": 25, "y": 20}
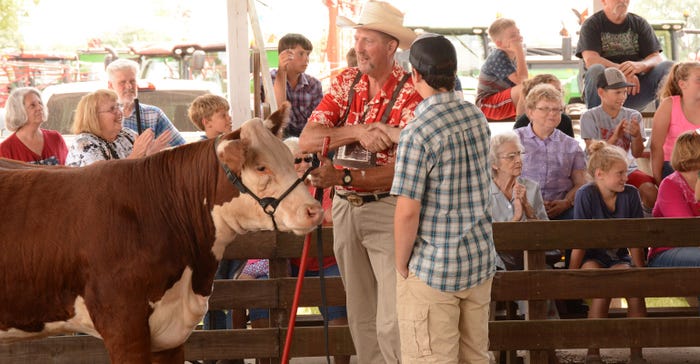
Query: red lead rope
{"x": 300, "y": 277}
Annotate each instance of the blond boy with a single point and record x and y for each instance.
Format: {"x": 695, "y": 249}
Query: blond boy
{"x": 503, "y": 72}
{"x": 210, "y": 113}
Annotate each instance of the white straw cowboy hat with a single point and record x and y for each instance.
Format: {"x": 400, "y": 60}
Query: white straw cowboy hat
{"x": 382, "y": 17}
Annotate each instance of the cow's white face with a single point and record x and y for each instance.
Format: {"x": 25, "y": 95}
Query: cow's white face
{"x": 268, "y": 171}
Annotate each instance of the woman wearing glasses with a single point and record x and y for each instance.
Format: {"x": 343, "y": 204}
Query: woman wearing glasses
{"x": 101, "y": 136}
{"x": 24, "y": 114}
{"x": 513, "y": 198}
{"x": 552, "y": 159}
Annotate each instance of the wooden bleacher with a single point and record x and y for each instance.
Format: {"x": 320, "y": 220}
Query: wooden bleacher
{"x": 667, "y": 328}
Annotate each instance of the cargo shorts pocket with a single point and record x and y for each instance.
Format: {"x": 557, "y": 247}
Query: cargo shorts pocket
{"x": 413, "y": 330}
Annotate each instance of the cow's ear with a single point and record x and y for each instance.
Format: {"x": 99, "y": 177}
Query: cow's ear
{"x": 233, "y": 153}
{"x": 236, "y": 134}
{"x": 278, "y": 121}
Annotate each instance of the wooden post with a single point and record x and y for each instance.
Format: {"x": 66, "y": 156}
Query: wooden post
{"x": 264, "y": 65}
{"x": 257, "y": 84}
{"x": 279, "y": 318}
{"x": 536, "y": 310}
{"x": 238, "y": 61}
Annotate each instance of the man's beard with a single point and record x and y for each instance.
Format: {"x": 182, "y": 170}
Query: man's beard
{"x": 619, "y": 10}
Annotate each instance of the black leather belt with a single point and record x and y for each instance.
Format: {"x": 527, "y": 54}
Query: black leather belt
{"x": 358, "y": 200}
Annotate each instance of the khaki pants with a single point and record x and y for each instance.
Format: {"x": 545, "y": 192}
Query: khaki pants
{"x": 364, "y": 248}
{"x": 443, "y": 327}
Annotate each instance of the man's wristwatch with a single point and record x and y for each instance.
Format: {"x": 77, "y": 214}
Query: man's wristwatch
{"x": 347, "y": 177}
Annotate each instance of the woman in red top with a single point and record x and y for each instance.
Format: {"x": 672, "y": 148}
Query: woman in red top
{"x": 24, "y": 114}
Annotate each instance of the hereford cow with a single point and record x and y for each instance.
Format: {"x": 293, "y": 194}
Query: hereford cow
{"x": 126, "y": 250}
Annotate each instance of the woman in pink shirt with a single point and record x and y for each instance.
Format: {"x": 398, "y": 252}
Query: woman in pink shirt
{"x": 677, "y": 198}
{"x": 678, "y": 111}
{"x": 24, "y": 114}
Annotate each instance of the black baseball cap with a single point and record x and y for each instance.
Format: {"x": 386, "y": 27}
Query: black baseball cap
{"x": 433, "y": 54}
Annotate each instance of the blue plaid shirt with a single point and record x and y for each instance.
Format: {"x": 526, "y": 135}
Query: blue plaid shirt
{"x": 304, "y": 99}
{"x": 154, "y": 118}
{"x": 442, "y": 161}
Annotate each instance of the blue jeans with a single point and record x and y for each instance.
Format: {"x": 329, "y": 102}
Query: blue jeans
{"x": 677, "y": 257}
{"x": 221, "y": 319}
{"x": 648, "y": 85}
{"x": 688, "y": 256}
{"x": 334, "y": 312}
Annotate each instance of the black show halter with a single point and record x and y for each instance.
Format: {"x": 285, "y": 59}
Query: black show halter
{"x": 268, "y": 204}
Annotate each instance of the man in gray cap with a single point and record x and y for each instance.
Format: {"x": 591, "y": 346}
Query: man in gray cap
{"x": 445, "y": 257}
{"x": 363, "y": 113}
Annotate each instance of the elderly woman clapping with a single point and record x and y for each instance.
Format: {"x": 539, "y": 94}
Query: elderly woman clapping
{"x": 24, "y": 114}
{"x": 513, "y": 198}
{"x": 101, "y": 136}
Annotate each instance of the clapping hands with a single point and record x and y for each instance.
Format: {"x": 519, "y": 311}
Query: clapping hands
{"x": 147, "y": 144}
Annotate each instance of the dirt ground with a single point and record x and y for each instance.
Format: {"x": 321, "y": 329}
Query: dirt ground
{"x": 652, "y": 355}
{"x": 610, "y": 356}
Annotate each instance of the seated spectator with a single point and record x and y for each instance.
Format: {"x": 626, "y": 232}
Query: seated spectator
{"x": 101, "y": 136}
{"x": 337, "y": 315}
{"x": 24, "y": 114}
{"x": 608, "y": 197}
{"x": 513, "y": 198}
{"x": 552, "y": 159}
{"x": 210, "y": 113}
{"x": 620, "y": 126}
{"x": 678, "y": 111}
{"x": 503, "y": 72}
{"x": 612, "y": 37}
{"x": 122, "y": 80}
{"x": 566, "y": 126}
{"x": 678, "y": 197}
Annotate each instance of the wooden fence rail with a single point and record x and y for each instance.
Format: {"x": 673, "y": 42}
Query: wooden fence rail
{"x": 536, "y": 284}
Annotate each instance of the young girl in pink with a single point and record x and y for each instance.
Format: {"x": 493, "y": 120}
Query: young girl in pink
{"x": 678, "y": 197}
{"x": 679, "y": 111}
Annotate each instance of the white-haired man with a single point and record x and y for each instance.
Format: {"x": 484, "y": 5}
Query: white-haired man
{"x": 122, "y": 80}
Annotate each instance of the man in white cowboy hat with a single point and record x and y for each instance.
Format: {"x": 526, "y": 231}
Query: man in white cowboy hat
{"x": 363, "y": 114}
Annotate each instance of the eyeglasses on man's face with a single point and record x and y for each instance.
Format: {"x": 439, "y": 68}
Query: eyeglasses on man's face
{"x": 307, "y": 159}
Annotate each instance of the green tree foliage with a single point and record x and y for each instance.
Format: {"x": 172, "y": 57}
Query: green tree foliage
{"x": 674, "y": 10}
{"x": 9, "y": 24}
